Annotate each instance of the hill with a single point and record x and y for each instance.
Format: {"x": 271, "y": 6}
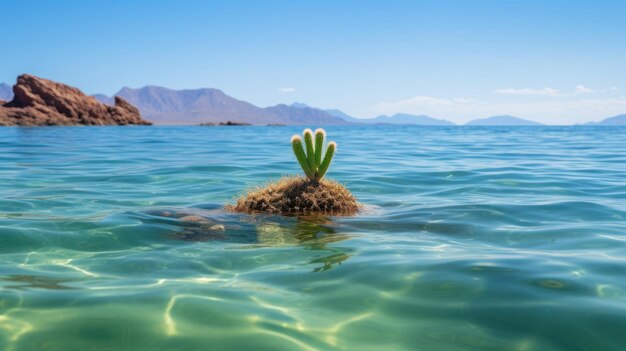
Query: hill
{"x": 332, "y": 112}
{"x": 398, "y": 118}
{"x": 504, "y": 120}
{"x": 403, "y": 118}
{"x": 346, "y": 117}
{"x": 619, "y": 120}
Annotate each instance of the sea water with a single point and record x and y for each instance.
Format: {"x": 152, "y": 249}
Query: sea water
{"x": 498, "y": 238}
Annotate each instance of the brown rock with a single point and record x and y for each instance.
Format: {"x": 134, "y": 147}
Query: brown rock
{"x": 40, "y": 102}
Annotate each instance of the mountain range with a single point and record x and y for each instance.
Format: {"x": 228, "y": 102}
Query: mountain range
{"x": 194, "y": 106}
{"x": 398, "y": 118}
{"x": 403, "y": 118}
{"x": 619, "y": 120}
{"x": 167, "y": 106}
{"x": 504, "y": 120}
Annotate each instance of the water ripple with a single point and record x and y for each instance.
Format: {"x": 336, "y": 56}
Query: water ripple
{"x": 471, "y": 238}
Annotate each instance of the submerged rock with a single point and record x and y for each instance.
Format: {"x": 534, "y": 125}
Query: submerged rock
{"x": 298, "y": 196}
{"x": 191, "y": 224}
{"x": 42, "y": 102}
{"x": 197, "y": 228}
{"x": 194, "y": 218}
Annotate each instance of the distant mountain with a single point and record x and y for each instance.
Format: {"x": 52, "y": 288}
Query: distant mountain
{"x": 299, "y": 105}
{"x": 302, "y": 115}
{"x": 398, "y": 118}
{"x": 403, "y": 118}
{"x": 502, "y": 121}
{"x": 619, "y": 120}
{"x": 109, "y": 100}
{"x": 332, "y": 112}
{"x": 6, "y": 92}
{"x": 346, "y": 117}
{"x": 168, "y": 106}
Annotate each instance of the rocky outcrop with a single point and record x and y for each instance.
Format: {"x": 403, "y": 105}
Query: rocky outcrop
{"x": 42, "y": 102}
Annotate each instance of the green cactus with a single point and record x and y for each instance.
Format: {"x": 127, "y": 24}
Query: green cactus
{"x": 310, "y": 151}
{"x": 320, "y": 134}
{"x": 313, "y": 162}
{"x": 296, "y": 143}
{"x": 330, "y": 152}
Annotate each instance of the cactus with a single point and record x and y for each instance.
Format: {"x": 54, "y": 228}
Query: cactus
{"x": 320, "y": 134}
{"x": 314, "y": 163}
{"x": 310, "y": 150}
{"x": 296, "y": 143}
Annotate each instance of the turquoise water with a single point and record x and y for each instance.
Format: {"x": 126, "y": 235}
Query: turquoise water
{"x": 471, "y": 239}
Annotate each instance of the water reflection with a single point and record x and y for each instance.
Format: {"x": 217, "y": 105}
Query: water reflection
{"x": 330, "y": 261}
{"x": 312, "y": 233}
{"x": 201, "y": 225}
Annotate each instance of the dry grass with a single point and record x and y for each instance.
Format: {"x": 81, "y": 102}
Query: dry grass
{"x": 298, "y": 196}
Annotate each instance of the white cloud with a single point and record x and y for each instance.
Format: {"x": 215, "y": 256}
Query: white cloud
{"x": 581, "y": 89}
{"x": 528, "y": 91}
{"x": 567, "y": 110}
{"x": 287, "y": 89}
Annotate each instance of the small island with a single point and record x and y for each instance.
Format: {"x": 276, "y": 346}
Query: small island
{"x": 227, "y": 123}
{"x": 303, "y": 196}
{"x": 42, "y": 102}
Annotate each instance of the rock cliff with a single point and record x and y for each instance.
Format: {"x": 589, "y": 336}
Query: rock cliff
{"x": 42, "y": 102}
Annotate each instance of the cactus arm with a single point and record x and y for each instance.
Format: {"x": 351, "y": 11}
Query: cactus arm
{"x": 330, "y": 151}
{"x": 319, "y": 145}
{"x": 296, "y": 143}
{"x": 310, "y": 152}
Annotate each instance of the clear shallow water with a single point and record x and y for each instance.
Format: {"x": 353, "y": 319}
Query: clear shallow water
{"x": 472, "y": 239}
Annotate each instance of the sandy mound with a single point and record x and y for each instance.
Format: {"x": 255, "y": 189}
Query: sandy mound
{"x": 298, "y": 196}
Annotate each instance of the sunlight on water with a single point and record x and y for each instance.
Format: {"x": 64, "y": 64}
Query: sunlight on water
{"x": 470, "y": 239}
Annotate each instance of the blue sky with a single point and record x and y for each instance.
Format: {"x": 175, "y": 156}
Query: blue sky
{"x": 558, "y": 62}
